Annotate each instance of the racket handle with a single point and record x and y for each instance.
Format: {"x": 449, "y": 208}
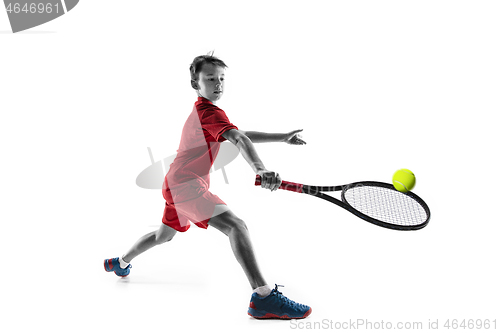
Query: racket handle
{"x": 288, "y": 186}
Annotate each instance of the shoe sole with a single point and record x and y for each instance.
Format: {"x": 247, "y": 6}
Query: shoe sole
{"x": 269, "y": 315}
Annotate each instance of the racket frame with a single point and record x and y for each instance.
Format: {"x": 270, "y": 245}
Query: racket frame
{"x": 317, "y": 191}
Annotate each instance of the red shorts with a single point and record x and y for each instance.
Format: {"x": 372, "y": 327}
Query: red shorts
{"x": 189, "y": 202}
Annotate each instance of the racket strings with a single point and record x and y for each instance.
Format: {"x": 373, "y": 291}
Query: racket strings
{"x": 386, "y": 205}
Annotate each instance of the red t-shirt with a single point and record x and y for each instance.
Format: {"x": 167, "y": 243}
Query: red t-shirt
{"x": 200, "y": 143}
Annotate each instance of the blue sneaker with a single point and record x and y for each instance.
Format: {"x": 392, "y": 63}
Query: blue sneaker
{"x": 275, "y": 305}
{"x": 113, "y": 265}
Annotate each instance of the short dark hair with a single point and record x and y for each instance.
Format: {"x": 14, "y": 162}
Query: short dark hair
{"x": 199, "y": 61}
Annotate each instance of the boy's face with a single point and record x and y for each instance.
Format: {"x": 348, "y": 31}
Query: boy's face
{"x": 211, "y": 82}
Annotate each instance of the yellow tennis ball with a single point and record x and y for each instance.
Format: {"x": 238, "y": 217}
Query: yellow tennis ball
{"x": 404, "y": 180}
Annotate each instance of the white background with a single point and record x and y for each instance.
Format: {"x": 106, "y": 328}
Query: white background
{"x": 376, "y": 86}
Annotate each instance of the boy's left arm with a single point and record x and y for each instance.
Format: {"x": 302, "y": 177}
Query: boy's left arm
{"x": 292, "y": 138}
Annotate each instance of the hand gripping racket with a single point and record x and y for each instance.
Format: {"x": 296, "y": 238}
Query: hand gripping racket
{"x": 375, "y": 202}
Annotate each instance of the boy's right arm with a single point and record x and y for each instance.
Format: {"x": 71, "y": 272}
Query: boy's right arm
{"x": 270, "y": 179}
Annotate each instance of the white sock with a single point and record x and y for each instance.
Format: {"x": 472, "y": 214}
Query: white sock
{"x": 123, "y": 263}
{"x": 263, "y": 291}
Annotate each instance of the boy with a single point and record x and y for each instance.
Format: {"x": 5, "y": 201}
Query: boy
{"x": 188, "y": 199}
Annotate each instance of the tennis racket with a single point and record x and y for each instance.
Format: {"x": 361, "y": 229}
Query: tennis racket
{"x": 375, "y": 202}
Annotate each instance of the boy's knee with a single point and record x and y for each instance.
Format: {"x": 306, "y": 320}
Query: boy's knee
{"x": 239, "y": 225}
{"x": 163, "y": 238}
{"x": 228, "y": 223}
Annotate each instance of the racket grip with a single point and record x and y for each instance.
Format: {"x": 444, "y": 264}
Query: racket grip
{"x": 287, "y": 186}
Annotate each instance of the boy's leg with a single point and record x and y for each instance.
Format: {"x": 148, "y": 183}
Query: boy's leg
{"x": 162, "y": 235}
{"x": 228, "y": 223}
{"x": 271, "y": 305}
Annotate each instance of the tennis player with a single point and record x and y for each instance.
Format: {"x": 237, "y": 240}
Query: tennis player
{"x": 187, "y": 195}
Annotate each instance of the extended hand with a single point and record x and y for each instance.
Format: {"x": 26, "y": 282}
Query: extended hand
{"x": 293, "y": 138}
